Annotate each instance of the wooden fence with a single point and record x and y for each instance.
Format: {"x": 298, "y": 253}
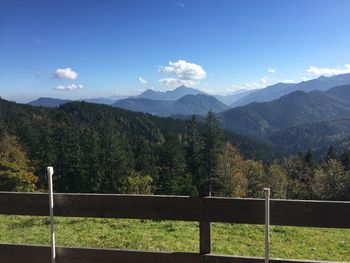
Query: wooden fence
{"x": 203, "y": 210}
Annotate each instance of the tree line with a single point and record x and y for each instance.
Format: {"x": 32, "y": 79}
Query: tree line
{"x": 94, "y": 149}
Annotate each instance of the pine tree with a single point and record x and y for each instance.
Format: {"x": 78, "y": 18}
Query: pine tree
{"x": 194, "y": 147}
{"x": 173, "y": 177}
{"x": 212, "y": 148}
{"x": 117, "y": 161}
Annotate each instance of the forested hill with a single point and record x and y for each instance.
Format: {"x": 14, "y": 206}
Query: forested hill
{"x": 95, "y": 147}
{"x": 261, "y": 119}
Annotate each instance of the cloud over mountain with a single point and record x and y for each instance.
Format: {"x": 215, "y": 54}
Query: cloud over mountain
{"x": 182, "y": 73}
{"x": 142, "y": 80}
{"x": 69, "y": 87}
{"x": 329, "y": 71}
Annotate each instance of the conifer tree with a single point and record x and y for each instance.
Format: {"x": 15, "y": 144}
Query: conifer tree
{"x": 194, "y": 147}
{"x": 212, "y": 148}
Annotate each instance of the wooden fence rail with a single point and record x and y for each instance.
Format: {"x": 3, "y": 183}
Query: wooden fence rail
{"x": 203, "y": 210}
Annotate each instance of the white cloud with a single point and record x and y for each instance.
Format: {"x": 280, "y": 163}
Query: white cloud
{"x": 262, "y": 83}
{"x": 186, "y": 73}
{"x": 305, "y": 78}
{"x": 142, "y": 80}
{"x": 65, "y": 73}
{"x": 289, "y": 81}
{"x": 271, "y": 70}
{"x": 180, "y": 4}
{"x": 264, "y": 80}
{"x": 69, "y": 87}
{"x": 247, "y": 85}
{"x": 329, "y": 71}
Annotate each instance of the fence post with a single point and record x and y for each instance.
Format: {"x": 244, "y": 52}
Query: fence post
{"x": 204, "y": 234}
{"x": 267, "y": 224}
{"x": 52, "y": 223}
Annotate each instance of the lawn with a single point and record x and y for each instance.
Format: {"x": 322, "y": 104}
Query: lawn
{"x": 229, "y": 239}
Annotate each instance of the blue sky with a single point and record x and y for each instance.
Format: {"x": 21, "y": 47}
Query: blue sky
{"x": 94, "y": 48}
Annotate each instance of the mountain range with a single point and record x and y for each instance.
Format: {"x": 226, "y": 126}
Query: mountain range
{"x": 313, "y": 114}
{"x": 169, "y": 94}
{"x": 295, "y": 121}
{"x": 198, "y": 104}
{"x": 280, "y": 89}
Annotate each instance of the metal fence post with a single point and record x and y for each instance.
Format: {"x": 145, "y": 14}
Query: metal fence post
{"x": 52, "y": 223}
{"x": 267, "y": 224}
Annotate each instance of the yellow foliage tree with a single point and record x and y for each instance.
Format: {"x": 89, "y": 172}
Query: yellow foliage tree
{"x": 15, "y": 172}
{"x": 231, "y": 178}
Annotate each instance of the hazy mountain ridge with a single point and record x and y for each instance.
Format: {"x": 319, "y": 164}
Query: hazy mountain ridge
{"x": 187, "y": 105}
{"x": 280, "y": 89}
{"x": 169, "y": 94}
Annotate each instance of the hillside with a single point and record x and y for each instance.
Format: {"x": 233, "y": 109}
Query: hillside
{"x": 341, "y": 92}
{"x": 187, "y": 105}
{"x": 317, "y": 136}
{"x": 280, "y": 89}
{"x": 261, "y": 119}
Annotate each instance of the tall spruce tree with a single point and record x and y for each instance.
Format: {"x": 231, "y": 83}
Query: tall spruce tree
{"x": 213, "y": 144}
{"x": 173, "y": 176}
{"x": 194, "y": 147}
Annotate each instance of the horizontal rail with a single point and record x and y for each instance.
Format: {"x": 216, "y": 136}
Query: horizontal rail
{"x": 209, "y": 209}
{"x": 41, "y": 254}
{"x": 282, "y": 212}
{"x": 103, "y": 206}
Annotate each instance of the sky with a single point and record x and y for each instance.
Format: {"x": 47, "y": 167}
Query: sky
{"x": 98, "y": 48}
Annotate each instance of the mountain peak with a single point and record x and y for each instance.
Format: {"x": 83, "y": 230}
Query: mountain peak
{"x": 183, "y": 87}
{"x": 174, "y": 94}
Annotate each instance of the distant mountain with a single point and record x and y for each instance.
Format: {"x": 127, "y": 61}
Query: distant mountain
{"x": 48, "y": 102}
{"x": 154, "y": 107}
{"x": 233, "y": 97}
{"x": 197, "y": 104}
{"x": 262, "y": 119}
{"x": 170, "y": 94}
{"x": 280, "y": 89}
{"x": 106, "y": 101}
{"x": 187, "y": 105}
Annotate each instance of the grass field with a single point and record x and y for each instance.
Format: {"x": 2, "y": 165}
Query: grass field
{"x": 230, "y": 239}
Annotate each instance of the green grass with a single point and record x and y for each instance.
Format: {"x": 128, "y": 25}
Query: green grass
{"x": 229, "y": 239}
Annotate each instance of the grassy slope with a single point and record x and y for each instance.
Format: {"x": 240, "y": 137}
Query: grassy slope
{"x": 287, "y": 242}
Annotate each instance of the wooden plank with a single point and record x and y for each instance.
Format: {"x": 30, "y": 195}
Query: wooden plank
{"x": 21, "y": 253}
{"x": 11, "y": 253}
{"x": 237, "y": 259}
{"x": 283, "y": 212}
{"x": 310, "y": 213}
{"x": 104, "y": 206}
{"x": 35, "y": 204}
{"x": 40, "y": 254}
{"x": 229, "y": 210}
